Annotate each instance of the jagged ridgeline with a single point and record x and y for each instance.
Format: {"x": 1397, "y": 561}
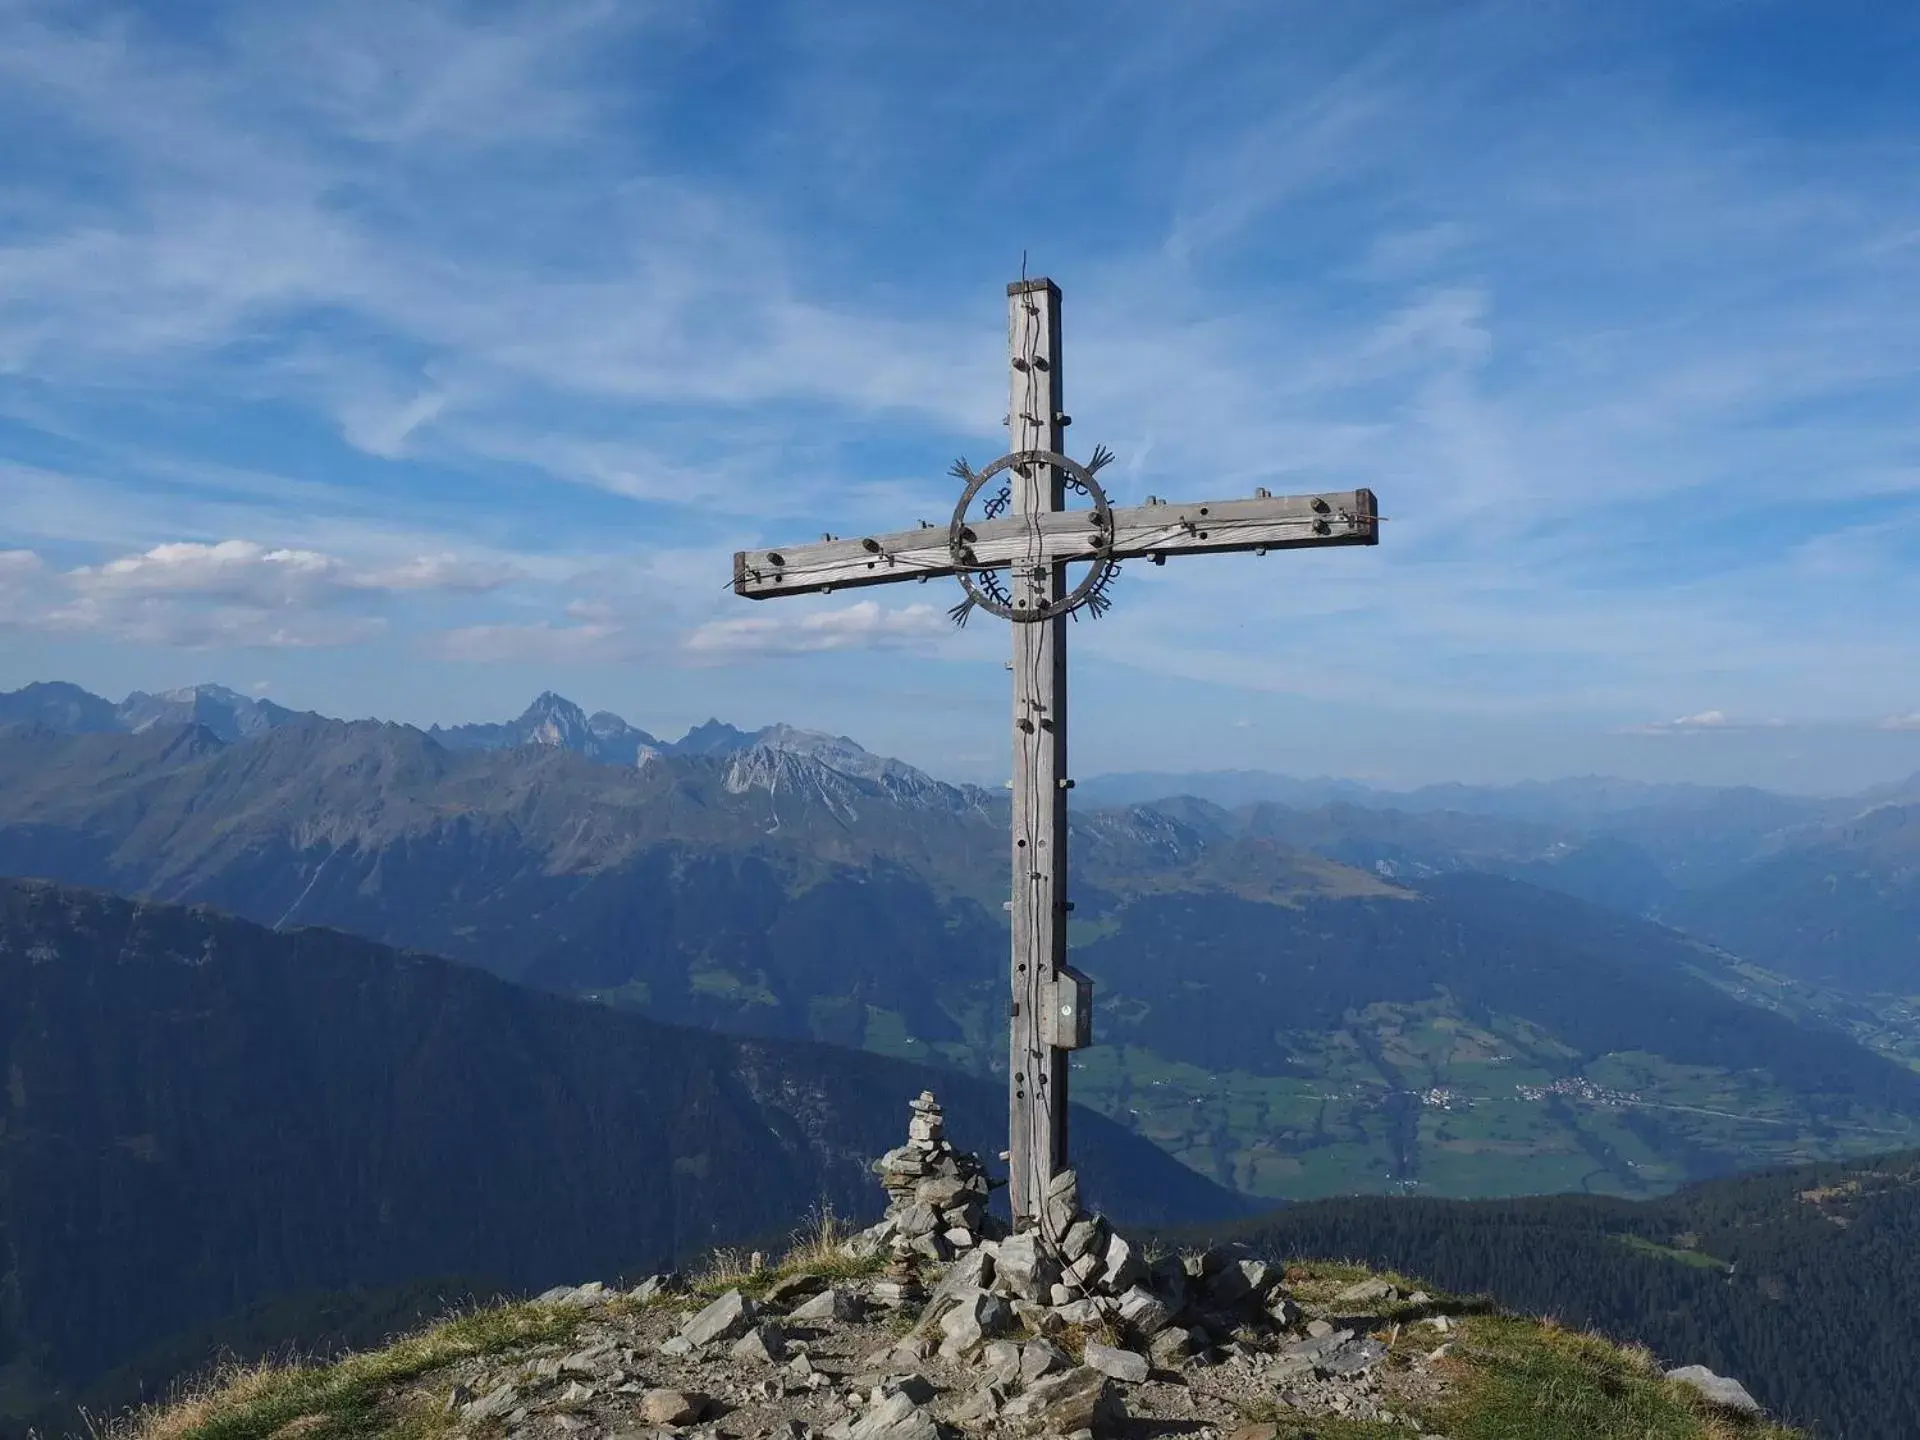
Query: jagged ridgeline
{"x": 199, "y": 1114}
{"x": 934, "y": 1324}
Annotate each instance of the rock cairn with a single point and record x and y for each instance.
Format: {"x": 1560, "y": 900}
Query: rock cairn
{"x": 936, "y": 1202}
{"x": 1062, "y": 1330}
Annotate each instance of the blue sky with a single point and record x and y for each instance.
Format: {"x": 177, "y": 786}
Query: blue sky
{"x": 407, "y": 359}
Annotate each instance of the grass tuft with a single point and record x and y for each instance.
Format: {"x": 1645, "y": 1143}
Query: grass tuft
{"x": 298, "y": 1401}
{"x": 1524, "y": 1380}
{"x": 815, "y": 1250}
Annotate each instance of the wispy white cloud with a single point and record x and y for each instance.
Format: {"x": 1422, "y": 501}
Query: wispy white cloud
{"x": 232, "y": 593}
{"x": 1706, "y": 722}
{"x": 864, "y": 625}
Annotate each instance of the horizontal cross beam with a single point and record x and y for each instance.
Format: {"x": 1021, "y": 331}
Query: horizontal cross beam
{"x": 1279, "y": 522}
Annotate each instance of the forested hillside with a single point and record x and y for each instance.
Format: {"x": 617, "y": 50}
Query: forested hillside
{"x": 199, "y": 1114}
{"x": 1804, "y": 1282}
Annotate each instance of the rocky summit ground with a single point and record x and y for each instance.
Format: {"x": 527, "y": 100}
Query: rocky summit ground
{"x": 799, "y": 1351}
{"x": 936, "y": 1324}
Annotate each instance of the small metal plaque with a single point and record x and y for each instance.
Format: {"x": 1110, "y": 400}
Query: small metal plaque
{"x": 1067, "y": 1022}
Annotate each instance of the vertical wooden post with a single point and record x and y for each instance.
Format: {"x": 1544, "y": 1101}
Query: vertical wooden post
{"x": 1037, "y": 1077}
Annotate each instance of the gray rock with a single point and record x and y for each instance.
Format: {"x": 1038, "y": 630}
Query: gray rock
{"x": 1080, "y": 1312}
{"x": 1062, "y": 1211}
{"x": 1353, "y": 1357}
{"x": 493, "y": 1404}
{"x": 1085, "y": 1271}
{"x": 917, "y": 1220}
{"x": 1000, "y": 1363}
{"x": 764, "y": 1344}
{"x": 940, "y": 1191}
{"x": 1081, "y": 1236}
{"x": 1144, "y": 1311}
{"x": 972, "y": 1322}
{"x": 790, "y": 1289}
{"x": 1171, "y": 1348}
{"x": 915, "y": 1386}
{"x": 836, "y": 1306}
{"x": 1367, "y": 1292}
{"x": 1315, "y": 1346}
{"x": 895, "y": 1418}
{"x": 1123, "y": 1268}
{"x": 1228, "y": 1287}
{"x": 725, "y": 1319}
{"x": 1721, "y": 1390}
{"x": 1077, "y": 1399}
{"x": 972, "y": 1271}
{"x": 1123, "y": 1365}
{"x": 656, "y": 1286}
{"x": 1021, "y": 1268}
{"x": 671, "y": 1407}
{"x": 1041, "y": 1357}
{"x": 577, "y": 1394}
{"x": 1283, "y": 1312}
{"x": 676, "y": 1345}
{"x": 980, "y": 1406}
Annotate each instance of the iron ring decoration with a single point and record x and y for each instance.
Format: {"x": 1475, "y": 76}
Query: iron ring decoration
{"x": 960, "y": 537}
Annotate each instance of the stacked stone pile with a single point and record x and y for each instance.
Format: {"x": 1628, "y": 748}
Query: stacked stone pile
{"x": 936, "y": 1194}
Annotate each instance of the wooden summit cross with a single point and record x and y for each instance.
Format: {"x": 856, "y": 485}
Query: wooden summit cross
{"x": 1027, "y": 531}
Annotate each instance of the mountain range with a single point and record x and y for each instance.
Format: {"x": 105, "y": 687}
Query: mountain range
{"x": 1292, "y": 1002}
{"x": 551, "y": 721}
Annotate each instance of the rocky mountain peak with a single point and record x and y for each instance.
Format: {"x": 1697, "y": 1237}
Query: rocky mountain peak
{"x": 712, "y": 737}
{"x": 227, "y": 713}
{"x": 555, "y": 720}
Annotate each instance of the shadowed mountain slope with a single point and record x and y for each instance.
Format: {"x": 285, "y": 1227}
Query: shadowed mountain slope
{"x": 198, "y": 1114}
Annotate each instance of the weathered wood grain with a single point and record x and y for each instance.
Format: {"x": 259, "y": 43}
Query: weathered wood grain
{"x": 1037, "y": 1078}
{"x": 1204, "y": 527}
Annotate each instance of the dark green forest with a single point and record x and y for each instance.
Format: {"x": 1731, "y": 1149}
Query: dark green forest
{"x": 1804, "y": 1282}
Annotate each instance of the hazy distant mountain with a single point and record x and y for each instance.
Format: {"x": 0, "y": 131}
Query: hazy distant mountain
{"x": 1226, "y": 788}
{"x": 58, "y": 706}
{"x": 1840, "y": 909}
{"x": 228, "y": 715}
{"x": 553, "y": 720}
{"x": 199, "y": 1113}
{"x": 71, "y": 710}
